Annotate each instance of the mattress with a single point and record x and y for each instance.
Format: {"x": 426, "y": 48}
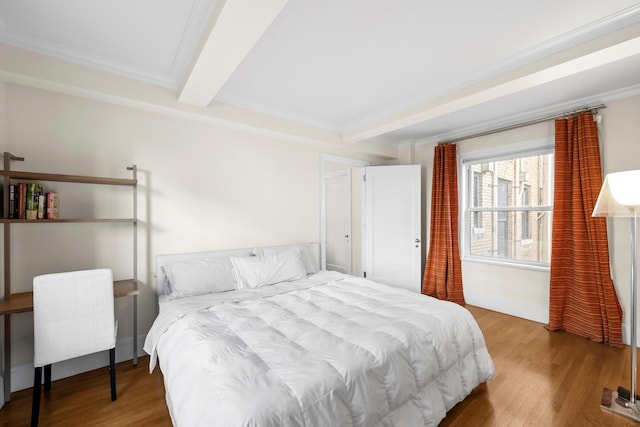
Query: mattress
{"x": 327, "y": 350}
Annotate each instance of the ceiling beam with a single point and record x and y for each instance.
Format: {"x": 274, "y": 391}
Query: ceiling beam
{"x": 423, "y": 113}
{"x": 238, "y": 26}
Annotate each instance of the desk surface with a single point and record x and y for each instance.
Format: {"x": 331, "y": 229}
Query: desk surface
{"x": 23, "y": 301}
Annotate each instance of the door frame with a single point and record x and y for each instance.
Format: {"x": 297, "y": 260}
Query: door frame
{"x": 326, "y": 159}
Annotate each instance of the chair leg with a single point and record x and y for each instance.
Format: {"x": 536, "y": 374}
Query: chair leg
{"x": 47, "y": 378}
{"x": 35, "y": 404}
{"x": 112, "y": 372}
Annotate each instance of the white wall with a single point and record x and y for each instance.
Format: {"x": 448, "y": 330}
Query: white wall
{"x": 201, "y": 186}
{"x": 524, "y": 292}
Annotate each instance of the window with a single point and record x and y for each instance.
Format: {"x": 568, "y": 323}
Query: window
{"x": 508, "y": 207}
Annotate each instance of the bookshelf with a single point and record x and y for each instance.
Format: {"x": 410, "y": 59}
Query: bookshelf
{"x": 22, "y": 302}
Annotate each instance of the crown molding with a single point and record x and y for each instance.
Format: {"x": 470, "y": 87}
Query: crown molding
{"x": 198, "y": 16}
{"x": 536, "y": 114}
{"x": 191, "y": 38}
{"x": 49, "y": 48}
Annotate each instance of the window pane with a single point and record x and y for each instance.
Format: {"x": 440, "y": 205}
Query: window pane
{"x": 501, "y": 236}
{"x": 488, "y": 180}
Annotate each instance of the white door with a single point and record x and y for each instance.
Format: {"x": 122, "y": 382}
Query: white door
{"x": 392, "y": 225}
{"x": 338, "y": 220}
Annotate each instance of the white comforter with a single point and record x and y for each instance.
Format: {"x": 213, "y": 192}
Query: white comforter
{"x": 331, "y": 350}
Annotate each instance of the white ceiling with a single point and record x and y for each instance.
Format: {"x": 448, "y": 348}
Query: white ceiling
{"x": 407, "y": 70}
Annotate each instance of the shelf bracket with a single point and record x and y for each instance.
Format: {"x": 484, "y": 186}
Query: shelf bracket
{"x": 9, "y": 157}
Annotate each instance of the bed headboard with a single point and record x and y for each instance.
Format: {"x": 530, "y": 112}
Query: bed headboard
{"x": 162, "y": 260}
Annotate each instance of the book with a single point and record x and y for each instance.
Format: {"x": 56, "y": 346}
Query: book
{"x": 22, "y": 198}
{"x": 41, "y": 205}
{"x": 13, "y": 211}
{"x": 31, "y": 203}
{"x": 52, "y": 205}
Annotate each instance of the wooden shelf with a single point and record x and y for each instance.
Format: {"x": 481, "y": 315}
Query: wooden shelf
{"x": 17, "y": 303}
{"x": 125, "y": 288}
{"x": 66, "y": 220}
{"x": 23, "y": 301}
{"x": 38, "y": 176}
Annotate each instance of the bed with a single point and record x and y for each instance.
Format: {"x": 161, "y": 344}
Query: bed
{"x": 262, "y": 337}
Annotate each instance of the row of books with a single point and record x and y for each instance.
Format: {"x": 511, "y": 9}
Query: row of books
{"x": 29, "y": 201}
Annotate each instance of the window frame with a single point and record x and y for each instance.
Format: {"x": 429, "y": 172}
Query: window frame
{"x": 529, "y": 148}
{"x": 477, "y": 198}
{"x": 525, "y": 223}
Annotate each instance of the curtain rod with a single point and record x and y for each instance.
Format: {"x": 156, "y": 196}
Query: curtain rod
{"x": 594, "y": 108}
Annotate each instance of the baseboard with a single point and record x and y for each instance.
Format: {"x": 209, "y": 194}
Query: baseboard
{"x": 22, "y": 375}
{"x": 534, "y": 312}
{"x": 527, "y": 311}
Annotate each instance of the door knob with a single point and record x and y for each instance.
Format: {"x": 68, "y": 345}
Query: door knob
{"x": 346, "y": 236}
{"x": 417, "y": 240}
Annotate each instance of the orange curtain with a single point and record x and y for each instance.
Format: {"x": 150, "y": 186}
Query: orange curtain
{"x": 582, "y": 297}
{"x": 443, "y": 273}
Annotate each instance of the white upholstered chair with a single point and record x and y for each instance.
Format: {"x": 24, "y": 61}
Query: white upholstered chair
{"x": 73, "y": 315}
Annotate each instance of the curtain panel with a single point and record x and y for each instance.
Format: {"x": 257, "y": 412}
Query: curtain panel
{"x": 582, "y": 298}
{"x": 443, "y": 273}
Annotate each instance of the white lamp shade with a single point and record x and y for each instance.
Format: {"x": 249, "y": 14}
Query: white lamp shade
{"x": 620, "y": 195}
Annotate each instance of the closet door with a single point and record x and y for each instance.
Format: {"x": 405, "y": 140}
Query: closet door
{"x": 393, "y": 249}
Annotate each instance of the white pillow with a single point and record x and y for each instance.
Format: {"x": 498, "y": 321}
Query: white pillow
{"x": 256, "y": 271}
{"x": 305, "y": 255}
{"x": 200, "y": 276}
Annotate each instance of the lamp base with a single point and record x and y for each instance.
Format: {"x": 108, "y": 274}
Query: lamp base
{"x": 612, "y": 403}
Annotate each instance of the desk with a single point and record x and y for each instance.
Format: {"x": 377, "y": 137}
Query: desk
{"x": 23, "y": 302}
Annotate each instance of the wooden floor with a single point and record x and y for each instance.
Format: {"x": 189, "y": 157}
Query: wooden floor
{"x": 542, "y": 379}
{"x": 85, "y": 400}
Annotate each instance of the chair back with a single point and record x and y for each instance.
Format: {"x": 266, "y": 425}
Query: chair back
{"x": 73, "y": 315}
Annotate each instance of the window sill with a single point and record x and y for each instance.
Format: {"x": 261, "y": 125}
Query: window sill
{"x": 505, "y": 263}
